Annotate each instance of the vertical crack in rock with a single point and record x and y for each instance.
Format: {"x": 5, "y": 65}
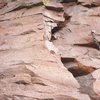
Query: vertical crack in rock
{"x": 53, "y": 22}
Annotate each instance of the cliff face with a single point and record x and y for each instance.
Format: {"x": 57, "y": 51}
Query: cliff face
{"x": 49, "y": 52}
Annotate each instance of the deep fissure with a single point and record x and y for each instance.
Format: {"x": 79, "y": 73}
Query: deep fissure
{"x": 75, "y": 68}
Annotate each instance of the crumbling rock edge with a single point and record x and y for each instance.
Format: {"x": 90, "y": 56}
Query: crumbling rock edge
{"x": 71, "y": 61}
{"x": 30, "y": 71}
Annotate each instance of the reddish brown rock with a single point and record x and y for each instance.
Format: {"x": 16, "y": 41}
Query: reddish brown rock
{"x": 2, "y": 3}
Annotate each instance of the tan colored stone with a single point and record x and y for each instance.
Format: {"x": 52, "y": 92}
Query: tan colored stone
{"x": 96, "y": 84}
{"x": 22, "y": 78}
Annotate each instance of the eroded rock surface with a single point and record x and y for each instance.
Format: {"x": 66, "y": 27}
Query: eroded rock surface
{"x": 29, "y": 71}
{"x": 90, "y": 2}
{"x": 79, "y": 48}
{"x": 46, "y": 53}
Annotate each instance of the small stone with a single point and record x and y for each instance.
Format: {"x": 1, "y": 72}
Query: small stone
{"x": 22, "y": 78}
{"x": 54, "y": 6}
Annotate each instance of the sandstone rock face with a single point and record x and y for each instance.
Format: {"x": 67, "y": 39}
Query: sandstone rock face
{"x": 17, "y": 4}
{"x": 90, "y": 2}
{"x": 48, "y": 54}
{"x": 28, "y": 70}
{"x": 78, "y": 47}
